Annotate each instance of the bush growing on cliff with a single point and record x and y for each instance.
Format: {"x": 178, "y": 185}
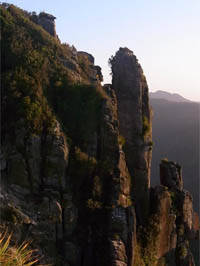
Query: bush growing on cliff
{"x": 147, "y": 240}
{"x": 78, "y": 106}
{"x": 145, "y": 126}
{"x": 28, "y": 53}
{"x": 121, "y": 140}
{"x": 34, "y": 76}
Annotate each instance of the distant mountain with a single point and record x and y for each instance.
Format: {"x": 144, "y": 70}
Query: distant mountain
{"x": 173, "y": 97}
{"x": 176, "y": 136}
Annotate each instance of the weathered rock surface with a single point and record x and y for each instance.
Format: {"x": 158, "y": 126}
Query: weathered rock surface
{"x": 171, "y": 175}
{"x": 34, "y": 181}
{"x": 86, "y": 202}
{"x": 87, "y": 62}
{"x": 134, "y": 116}
{"x": 47, "y": 21}
{"x": 174, "y": 210}
{"x": 162, "y": 204}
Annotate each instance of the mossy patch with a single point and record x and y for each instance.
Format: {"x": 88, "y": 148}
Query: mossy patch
{"x": 138, "y": 259}
{"x": 146, "y": 127}
{"x": 148, "y": 240}
{"x": 121, "y": 140}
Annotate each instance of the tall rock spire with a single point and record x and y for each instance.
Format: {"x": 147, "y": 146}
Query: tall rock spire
{"x": 134, "y": 117}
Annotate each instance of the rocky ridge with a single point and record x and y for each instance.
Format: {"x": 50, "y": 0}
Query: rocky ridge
{"x": 76, "y": 177}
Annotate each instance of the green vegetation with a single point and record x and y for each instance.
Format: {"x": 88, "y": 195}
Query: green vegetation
{"x": 39, "y": 89}
{"x": 121, "y": 140}
{"x": 146, "y": 127}
{"x": 27, "y": 58}
{"x": 84, "y": 63}
{"x": 175, "y": 201}
{"x": 182, "y": 251}
{"x": 148, "y": 241}
{"x": 94, "y": 204}
{"x": 37, "y": 86}
{"x": 79, "y": 108}
{"x": 138, "y": 260}
{"x": 151, "y": 143}
{"x": 16, "y": 255}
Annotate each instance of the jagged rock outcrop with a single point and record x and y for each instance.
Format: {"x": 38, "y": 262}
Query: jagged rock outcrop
{"x": 134, "y": 116}
{"x": 99, "y": 73}
{"x": 76, "y": 159}
{"x": 170, "y": 175}
{"x": 47, "y": 21}
{"x": 87, "y": 62}
{"x": 33, "y": 184}
{"x": 173, "y": 207}
{"x": 34, "y": 161}
{"x": 111, "y": 222}
{"x": 89, "y": 56}
{"x": 162, "y": 208}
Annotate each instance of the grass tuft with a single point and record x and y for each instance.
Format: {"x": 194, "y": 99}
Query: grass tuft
{"x": 16, "y": 255}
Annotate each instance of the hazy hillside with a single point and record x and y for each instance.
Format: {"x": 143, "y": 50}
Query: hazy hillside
{"x": 174, "y": 97}
{"x": 176, "y": 136}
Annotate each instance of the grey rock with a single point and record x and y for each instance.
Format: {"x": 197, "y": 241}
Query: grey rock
{"x": 134, "y": 116}
{"x": 89, "y": 56}
{"x": 47, "y": 21}
{"x": 171, "y": 175}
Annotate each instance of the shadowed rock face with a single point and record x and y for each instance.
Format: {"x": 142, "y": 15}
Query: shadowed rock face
{"x": 73, "y": 197}
{"x": 162, "y": 204}
{"x": 95, "y": 71}
{"x": 171, "y": 175}
{"x": 173, "y": 207}
{"x": 48, "y": 23}
{"x": 134, "y": 117}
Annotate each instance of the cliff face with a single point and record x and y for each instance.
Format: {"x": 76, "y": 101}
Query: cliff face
{"x": 134, "y": 116}
{"x": 46, "y": 21}
{"x": 175, "y": 210}
{"x": 75, "y": 158}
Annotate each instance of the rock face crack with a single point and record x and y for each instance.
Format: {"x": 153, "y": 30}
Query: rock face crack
{"x": 134, "y": 116}
{"x": 80, "y": 191}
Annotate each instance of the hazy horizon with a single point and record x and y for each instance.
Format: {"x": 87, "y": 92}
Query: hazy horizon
{"x": 163, "y": 36}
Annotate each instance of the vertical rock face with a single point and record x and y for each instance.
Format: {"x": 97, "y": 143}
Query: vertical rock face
{"x": 47, "y": 21}
{"x": 162, "y": 207}
{"x": 174, "y": 210}
{"x": 35, "y": 179}
{"x": 114, "y": 240}
{"x": 95, "y": 75}
{"x": 77, "y": 189}
{"x": 134, "y": 117}
{"x": 170, "y": 175}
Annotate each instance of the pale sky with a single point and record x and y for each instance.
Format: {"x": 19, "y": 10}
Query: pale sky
{"x": 163, "y": 34}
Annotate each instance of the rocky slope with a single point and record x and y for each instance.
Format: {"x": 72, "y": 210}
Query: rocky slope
{"x": 76, "y": 156}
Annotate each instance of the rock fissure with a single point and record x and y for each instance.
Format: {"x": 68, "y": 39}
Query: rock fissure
{"x": 79, "y": 181}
